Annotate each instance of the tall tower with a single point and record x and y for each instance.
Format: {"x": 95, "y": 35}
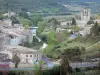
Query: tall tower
{"x": 85, "y": 15}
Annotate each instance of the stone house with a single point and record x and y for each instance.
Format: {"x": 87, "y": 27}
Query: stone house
{"x": 6, "y": 23}
{"x": 28, "y": 56}
{"x": 85, "y": 31}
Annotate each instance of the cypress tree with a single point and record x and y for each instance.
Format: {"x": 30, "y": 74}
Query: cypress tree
{"x": 95, "y": 29}
{"x": 73, "y": 21}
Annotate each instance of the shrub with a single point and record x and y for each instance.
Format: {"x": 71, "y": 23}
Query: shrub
{"x": 18, "y": 73}
{"x": 77, "y": 69}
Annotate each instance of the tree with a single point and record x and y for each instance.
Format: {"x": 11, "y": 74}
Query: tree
{"x": 36, "y": 19}
{"x": 52, "y": 38}
{"x": 54, "y": 23}
{"x": 26, "y": 26}
{"x": 73, "y": 52}
{"x": 62, "y": 36}
{"x": 41, "y": 27}
{"x": 65, "y": 67}
{"x": 24, "y": 14}
{"x": 44, "y": 38}
{"x": 67, "y": 55}
{"x": 14, "y": 20}
{"x": 25, "y": 21}
{"x": 54, "y": 20}
{"x": 2, "y": 17}
{"x": 73, "y": 21}
{"x": 95, "y": 29}
{"x": 90, "y": 22}
{"x": 38, "y": 66}
{"x": 16, "y": 60}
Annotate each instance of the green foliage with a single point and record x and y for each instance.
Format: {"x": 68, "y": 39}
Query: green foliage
{"x": 18, "y": 72}
{"x": 74, "y": 52}
{"x": 77, "y": 69}
{"x": 25, "y": 21}
{"x": 47, "y": 10}
{"x": 65, "y": 67}
{"x": 38, "y": 67}
{"x": 2, "y": 17}
{"x": 53, "y": 23}
{"x": 79, "y": 73}
{"x": 55, "y": 70}
{"x": 54, "y": 20}
{"x": 16, "y": 60}
{"x": 14, "y": 20}
{"x": 41, "y": 26}
{"x": 90, "y": 22}
{"x": 48, "y": 50}
{"x": 24, "y": 15}
{"x": 44, "y": 38}
{"x": 45, "y": 6}
{"x": 73, "y": 21}
{"x": 95, "y": 30}
{"x": 52, "y": 38}
{"x": 62, "y": 36}
{"x": 52, "y": 51}
{"x": 75, "y": 28}
{"x": 34, "y": 44}
{"x": 35, "y": 18}
{"x": 26, "y": 26}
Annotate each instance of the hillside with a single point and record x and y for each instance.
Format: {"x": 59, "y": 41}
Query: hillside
{"x": 94, "y": 5}
{"x": 32, "y": 5}
{"x": 92, "y": 44}
{"x": 49, "y": 6}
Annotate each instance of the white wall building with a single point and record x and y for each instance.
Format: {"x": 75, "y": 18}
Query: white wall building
{"x": 85, "y": 31}
{"x": 27, "y": 55}
{"x": 6, "y": 23}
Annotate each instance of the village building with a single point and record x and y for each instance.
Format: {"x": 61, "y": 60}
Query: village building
{"x": 85, "y": 31}
{"x": 58, "y": 30}
{"x": 11, "y": 37}
{"x": 7, "y": 23}
{"x": 85, "y": 15}
{"x": 9, "y": 46}
{"x": 27, "y": 55}
{"x": 82, "y": 23}
{"x": 16, "y": 33}
{"x": 9, "y": 14}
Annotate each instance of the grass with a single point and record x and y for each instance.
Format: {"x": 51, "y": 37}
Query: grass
{"x": 93, "y": 72}
{"x": 78, "y": 44}
{"x": 61, "y": 17}
{"x": 93, "y": 50}
{"x": 92, "y": 44}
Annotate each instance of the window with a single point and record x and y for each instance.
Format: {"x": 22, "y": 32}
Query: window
{"x": 30, "y": 55}
{"x": 35, "y": 55}
{"x": 12, "y": 37}
{"x": 26, "y": 55}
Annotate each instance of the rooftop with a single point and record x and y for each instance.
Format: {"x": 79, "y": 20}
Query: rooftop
{"x": 20, "y": 49}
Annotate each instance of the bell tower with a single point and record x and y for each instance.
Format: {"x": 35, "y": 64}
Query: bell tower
{"x": 85, "y": 15}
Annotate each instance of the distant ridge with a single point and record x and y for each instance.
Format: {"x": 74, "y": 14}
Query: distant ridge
{"x": 48, "y": 6}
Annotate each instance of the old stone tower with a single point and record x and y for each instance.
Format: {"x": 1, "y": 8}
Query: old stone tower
{"x": 85, "y": 15}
